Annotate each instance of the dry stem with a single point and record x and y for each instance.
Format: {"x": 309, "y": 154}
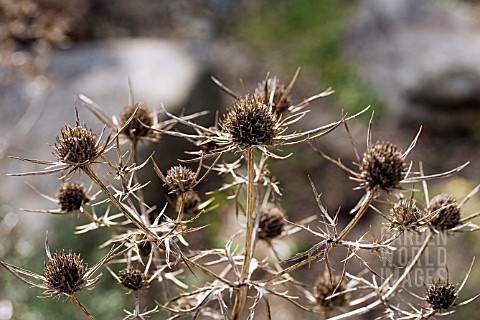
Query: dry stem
{"x": 250, "y": 235}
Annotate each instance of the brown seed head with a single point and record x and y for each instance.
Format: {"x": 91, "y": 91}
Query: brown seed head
{"x": 65, "y": 272}
{"x": 271, "y": 222}
{"x": 382, "y": 166}
{"x": 189, "y": 200}
{"x": 446, "y": 212}
{"x": 441, "y": 295}
{"x": 133, "y": 279}
{"x": 76, "y": 145}
{"x": 180, "y": 179}
{"x": 135, "y": 129}
{"x": 249, "y": 122}
{"x": 405, "y": 215}
{"x": 282, "y": 99}
{"x": 326, "y": 285}
{"x": 71, "y": 196}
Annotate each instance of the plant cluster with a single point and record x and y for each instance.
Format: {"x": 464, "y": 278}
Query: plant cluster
{"x": 150, "y": 252}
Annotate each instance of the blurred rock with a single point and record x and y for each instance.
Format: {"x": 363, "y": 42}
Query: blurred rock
{"x": 422, "y": 59}
{"x": 33, "y": 111}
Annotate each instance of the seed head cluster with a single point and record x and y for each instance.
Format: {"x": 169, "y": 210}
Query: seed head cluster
{"x": 446, "y": 212}
{"x": 382, "y": 166}
{"x": 282, "y": 99}
{"x": 180, "y": 179}
{"x": 71, "y": 196}
{"x": 250, "y": 122}
{"x": 271, "y": 222}
{"x": 405, "y": 215}
{"x": 441, "y": 295}
{"x": 137, "y": 127}
{"x": 133, "y": 279}
{"x": 76, "y": 145}
{"x": 325, "y": 286}
{"x": 64, "y": 273}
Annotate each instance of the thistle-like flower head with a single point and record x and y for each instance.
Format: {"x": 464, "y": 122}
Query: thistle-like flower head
{"x": 275, "y": 91}
{"x": 250, "y": 122}
{"x": 271, "y": 222}
{"x": 64, "y": 273}
{"x": 382, "y": 166}
{"x": 71, "y": 196}
{"x": 326, "y": 285}
{"x": 441, "y": 295}
{"x": 76, "y": 145}
{"x": 405, "y": 216}
{"x": 180, "y": 178}
{"x": 446, "y": 212}
{"x": 133, "y": 279}
{"x": 256, "y": 120}
{"x": 138, "y": 126}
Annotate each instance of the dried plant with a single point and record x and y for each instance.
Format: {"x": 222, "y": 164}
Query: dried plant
{"x": 152, "y": 246}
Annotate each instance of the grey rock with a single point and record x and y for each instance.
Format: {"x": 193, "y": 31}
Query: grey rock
{"x": 33, "y": 111}
{"x": 421, "y": 58}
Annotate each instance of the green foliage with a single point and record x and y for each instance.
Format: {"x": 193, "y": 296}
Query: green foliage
{"x": 305, "y": 33}
{"x": 105, "y": 302}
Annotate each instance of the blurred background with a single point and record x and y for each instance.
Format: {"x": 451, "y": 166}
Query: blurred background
{"x": 414, "y": 61}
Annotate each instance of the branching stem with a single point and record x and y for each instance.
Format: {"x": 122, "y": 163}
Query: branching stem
{"x": 383, "y": 298}
{"x": 89, "y": 172}
{"x": 370, "y": 197}
{"x": 250, "y": 234}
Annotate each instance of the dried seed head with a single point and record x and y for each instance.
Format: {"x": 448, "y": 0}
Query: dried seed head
{"x": 249, "y": 122}
{"x": 65, "y": 272}
{"x": 76, "y": 145}
{"x": 382, "y": 166}
{"x": 189, "y": 200}
{"x": 441, "y": 295}
{"x": 325, "y": 286}
{"x": 133, "y": 279}
{"x": 271, "y": 222}
{"x": 405, "y": 215}
{"x": 445, "y": 211}
{"x": 71, "y": 196}
{"x": 282, "y": 99}
{"x": 180, "y": 179}
{"x": 136, "y": 128}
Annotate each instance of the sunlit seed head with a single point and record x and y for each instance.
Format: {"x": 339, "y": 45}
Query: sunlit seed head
{"x": 382, "y": 166}
{"x": 250, "y": 122}
{"x": 281, "y": 101}
{"x": 325, "y": 286}
{"x": 180, "y": 178}
{"x": 405, "y": 215}
{"x": 133, "y": 279}
{"x": 142, "y": 118}
{"x": 71, "y": 196}
{"x": 441, "y": 295}
{"x": 271, "y": 222}
{"x": 76, "y": 145}
{"x": 446, "y": 212}
{"x": 64, "y": 272}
